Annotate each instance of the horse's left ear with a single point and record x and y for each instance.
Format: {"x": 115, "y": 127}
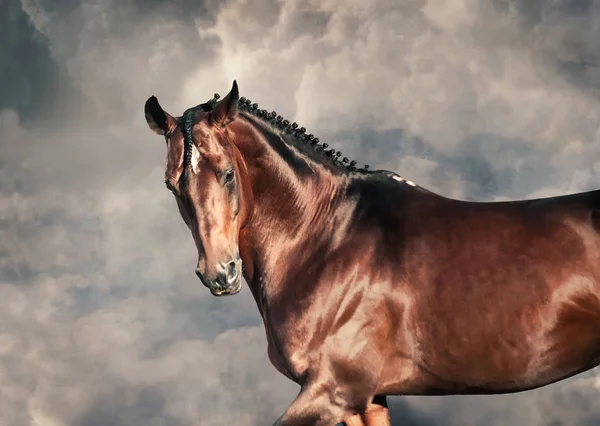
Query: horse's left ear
{"x": 227, "y": 108}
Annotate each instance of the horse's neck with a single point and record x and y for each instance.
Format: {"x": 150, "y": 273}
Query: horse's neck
{"x": 290, "y": 215}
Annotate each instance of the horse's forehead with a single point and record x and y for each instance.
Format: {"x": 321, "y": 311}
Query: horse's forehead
{"x": 206, "y": 148}
{"x": 209, "y": 144}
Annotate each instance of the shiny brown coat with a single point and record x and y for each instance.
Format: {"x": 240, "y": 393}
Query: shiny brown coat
{"x": 371, "y": 286}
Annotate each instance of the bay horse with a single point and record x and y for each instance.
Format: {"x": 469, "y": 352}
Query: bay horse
{"x": 370, "y": 285}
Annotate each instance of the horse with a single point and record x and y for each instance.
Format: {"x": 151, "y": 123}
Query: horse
{"x": 370, "y": 285}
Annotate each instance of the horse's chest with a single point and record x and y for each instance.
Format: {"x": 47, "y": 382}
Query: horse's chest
{"x": 277, "y": 360}
{"x": 287, "y": 350}
{"x": 284, "y": 364}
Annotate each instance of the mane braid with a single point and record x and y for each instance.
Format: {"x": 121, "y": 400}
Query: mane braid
{"x": 299, "y": 133}
{"x": 186, "y": 123}
{"x": 188, "y": 120}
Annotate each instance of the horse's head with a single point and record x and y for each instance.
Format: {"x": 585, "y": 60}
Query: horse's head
{"x": 204, "y": 171}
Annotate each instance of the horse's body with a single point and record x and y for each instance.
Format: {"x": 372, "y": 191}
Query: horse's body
{"x": 370, "y": 286}
{"x": 439, "y": 296}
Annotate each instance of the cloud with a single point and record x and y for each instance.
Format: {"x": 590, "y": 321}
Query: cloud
{"x": 102, "y": 321}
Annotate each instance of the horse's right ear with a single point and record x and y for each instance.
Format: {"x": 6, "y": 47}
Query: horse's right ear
{"x": 159, "y": 121}
{"x": 227, "y": 108}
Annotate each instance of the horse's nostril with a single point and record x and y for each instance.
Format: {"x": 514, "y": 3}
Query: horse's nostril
{"x": 231, "y": 269}
{"x": 229, "y": 272}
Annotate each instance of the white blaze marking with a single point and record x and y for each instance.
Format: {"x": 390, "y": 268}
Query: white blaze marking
{"x": 195, "y": 159}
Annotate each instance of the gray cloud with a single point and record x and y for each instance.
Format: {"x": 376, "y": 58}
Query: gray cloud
{"x": 102, "y": 321}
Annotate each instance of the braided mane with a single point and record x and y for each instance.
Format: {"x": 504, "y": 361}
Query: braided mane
{"x": 188, "y": 119}
{"x": 299, "y": 133}
{"x": 186, "y": 123}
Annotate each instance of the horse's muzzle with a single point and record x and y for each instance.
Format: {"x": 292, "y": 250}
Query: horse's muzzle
{"x": 228, "y": 280}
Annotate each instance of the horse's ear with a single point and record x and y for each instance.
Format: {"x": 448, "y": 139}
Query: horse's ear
{"x": 159, "y": 121}
{"x": 227, "y": 108}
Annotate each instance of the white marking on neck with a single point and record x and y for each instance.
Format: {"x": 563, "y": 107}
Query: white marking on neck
{"x": 401, "y": 179}
{"x": 195, "y": 159}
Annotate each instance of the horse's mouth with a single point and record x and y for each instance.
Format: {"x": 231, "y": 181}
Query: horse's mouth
{"x": 227, "y": 291}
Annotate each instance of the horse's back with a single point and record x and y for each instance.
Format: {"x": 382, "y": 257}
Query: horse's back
{"x": 492, "y": 297}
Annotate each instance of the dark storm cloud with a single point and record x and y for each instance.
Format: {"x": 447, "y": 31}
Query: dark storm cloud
{"x": 565, "y": 34}
{"x": 33, "y": 84}
{"x": 102, "y": 320}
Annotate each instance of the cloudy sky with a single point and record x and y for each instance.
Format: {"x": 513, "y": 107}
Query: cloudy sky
{"x": 102, "y": 320}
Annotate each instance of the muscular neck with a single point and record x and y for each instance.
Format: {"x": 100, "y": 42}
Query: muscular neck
{"x": 293, "y": 213}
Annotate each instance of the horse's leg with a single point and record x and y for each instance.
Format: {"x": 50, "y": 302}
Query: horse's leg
{"x": 317, "y": 404}
{"x": 355, "y": 420}
{"x": 377, "y": 413}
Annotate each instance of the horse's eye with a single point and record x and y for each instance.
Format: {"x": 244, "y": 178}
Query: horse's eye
{"x": 229, "y": 176}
